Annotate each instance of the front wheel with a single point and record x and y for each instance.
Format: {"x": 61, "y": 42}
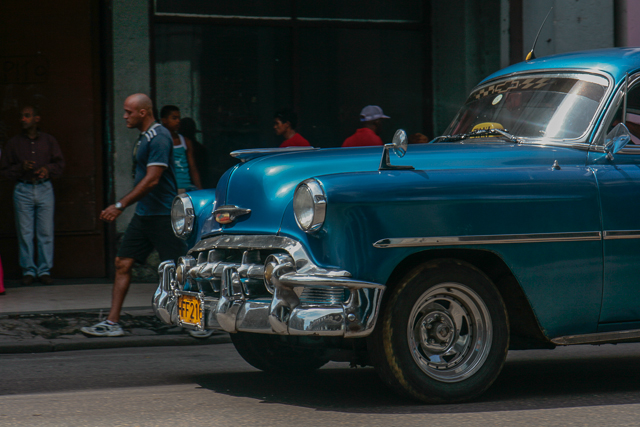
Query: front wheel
{"x": 276, "y": 353}
{"x": 443, "y": 335}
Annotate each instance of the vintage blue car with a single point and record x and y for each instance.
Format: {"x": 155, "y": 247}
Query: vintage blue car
{"x": 518, "y": 229}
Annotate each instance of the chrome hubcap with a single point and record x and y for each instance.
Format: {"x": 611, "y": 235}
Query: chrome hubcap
{"x": 449, "y": 332}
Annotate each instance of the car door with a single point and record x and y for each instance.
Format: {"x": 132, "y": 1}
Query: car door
{"x": 619, "y": 184}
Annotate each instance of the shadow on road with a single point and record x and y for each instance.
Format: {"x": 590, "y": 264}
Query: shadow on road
{"x": 555, "y": 380}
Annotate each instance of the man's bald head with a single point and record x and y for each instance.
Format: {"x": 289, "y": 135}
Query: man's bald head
{"x": 141, "y": 101}
{"x": 138, "y": 111}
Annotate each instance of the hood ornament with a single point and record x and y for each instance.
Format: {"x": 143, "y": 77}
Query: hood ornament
{"x": 228, "y": 213}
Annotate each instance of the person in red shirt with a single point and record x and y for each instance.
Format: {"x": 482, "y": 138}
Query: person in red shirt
{"x": 371, "y": 117}
{"x": 284, "y": 123}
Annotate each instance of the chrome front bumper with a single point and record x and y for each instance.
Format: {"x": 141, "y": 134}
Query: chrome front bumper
{"x": 286, "y": 312}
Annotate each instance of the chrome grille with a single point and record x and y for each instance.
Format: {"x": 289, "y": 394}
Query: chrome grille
{"x": 210, "y": 264}
{"x": 322, "y": 296}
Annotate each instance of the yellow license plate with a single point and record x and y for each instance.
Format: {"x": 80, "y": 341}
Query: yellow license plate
{"x": 190, "y": 310}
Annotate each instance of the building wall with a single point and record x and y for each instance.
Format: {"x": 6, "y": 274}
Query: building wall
{"x": 572, "y": 25}
{"x": 178, "y": 70}
{"x": 466, "y": 48}
{"x": 627, "y": 22}
{"x": 131, "y": 74}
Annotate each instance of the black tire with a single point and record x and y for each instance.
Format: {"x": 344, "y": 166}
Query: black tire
{"x": 276, "y": 353}
{"x": 427, "y": 343}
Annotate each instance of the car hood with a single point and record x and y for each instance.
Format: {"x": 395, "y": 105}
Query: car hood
{"x": 266, "y": 185}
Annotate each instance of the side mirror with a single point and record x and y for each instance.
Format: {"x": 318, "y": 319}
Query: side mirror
{"x": 398, "y": 145}
{"x": 616, "y": 140}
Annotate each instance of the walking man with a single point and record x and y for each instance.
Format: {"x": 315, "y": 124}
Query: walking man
{"x": 32, "y": 159}
{"x": 154, "y": 190}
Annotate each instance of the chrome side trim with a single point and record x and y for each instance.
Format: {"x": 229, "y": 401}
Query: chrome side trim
{"x": 621, "y": 234}
{"x": 487, "y": 240}
{"x": 598, "y": 338}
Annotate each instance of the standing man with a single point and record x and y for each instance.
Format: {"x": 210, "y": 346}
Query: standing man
{"x": 32, "y": 159}
{"x": 187, "y": 174}
{"x": 154, "y": 190}
{"x": 371, "y": 117}
{"x": 284, "y": 123}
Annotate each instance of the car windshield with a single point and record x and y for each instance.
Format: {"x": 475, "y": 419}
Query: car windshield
{"x": 557, "y": 107}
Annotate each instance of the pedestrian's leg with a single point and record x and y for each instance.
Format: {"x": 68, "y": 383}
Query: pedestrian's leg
{"x": 44, "y": 203}
{"x": 24, "y": 206}
{"x": 120, "y": 287}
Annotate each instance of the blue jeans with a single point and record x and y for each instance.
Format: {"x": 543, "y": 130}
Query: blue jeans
{"x": 34, "y": 206}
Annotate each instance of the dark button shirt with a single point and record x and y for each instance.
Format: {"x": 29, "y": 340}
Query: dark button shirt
{"x": 43, "y": 150}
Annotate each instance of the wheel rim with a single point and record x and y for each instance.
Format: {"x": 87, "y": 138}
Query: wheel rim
{"x": 450, "y": 332}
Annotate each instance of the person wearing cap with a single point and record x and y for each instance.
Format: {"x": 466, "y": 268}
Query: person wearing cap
{"x": 371, "y": 117}
{"x": 284, "y": 123}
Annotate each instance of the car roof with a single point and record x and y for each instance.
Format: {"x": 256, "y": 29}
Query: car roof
{"x": 614, "y": 61}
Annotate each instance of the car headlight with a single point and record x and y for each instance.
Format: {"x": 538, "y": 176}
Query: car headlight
{"x": 182, "y": 216}
{"x": 309, "y": 205}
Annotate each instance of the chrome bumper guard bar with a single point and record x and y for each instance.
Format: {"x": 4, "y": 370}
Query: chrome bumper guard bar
{"x": 282, "y": 313}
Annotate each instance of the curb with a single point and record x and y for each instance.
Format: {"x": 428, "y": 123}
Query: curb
{"x": 47, "y": 346}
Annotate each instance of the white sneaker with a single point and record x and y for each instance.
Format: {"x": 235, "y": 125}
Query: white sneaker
{"x": 202, "y": 334}
{"x": 103, "y": 329}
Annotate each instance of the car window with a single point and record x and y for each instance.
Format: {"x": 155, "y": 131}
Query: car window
{"x": 633, "y": 116}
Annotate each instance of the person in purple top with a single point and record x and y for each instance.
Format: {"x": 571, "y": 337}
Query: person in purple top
{"x": 154, "y": 188}
{"x": 32, "y": 159}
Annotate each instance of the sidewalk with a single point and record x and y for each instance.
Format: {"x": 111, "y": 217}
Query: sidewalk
{"x": 48, "y": 318}
{"x": 67, "y": 298}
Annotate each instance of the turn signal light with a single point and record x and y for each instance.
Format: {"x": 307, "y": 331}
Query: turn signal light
{"x": 224, "y": 218}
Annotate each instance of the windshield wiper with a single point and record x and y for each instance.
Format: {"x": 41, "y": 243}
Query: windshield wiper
{"x": 479, "y": 133}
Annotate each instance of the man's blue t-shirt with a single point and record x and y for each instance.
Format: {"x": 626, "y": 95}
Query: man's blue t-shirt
{"x": 155, "y": 148}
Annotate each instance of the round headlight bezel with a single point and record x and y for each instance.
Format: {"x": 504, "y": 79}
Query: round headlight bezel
{"x": 182, "y": 216}
{"x": 311, "y": 189}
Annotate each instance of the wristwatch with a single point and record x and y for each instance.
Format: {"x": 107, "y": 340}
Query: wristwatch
{"x": 119, "y": 206}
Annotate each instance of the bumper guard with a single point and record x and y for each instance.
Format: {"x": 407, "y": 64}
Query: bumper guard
{"x": 283, "y": 313}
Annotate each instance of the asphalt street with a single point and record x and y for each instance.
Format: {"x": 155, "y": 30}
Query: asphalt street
{"x": 212, "y": 385}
